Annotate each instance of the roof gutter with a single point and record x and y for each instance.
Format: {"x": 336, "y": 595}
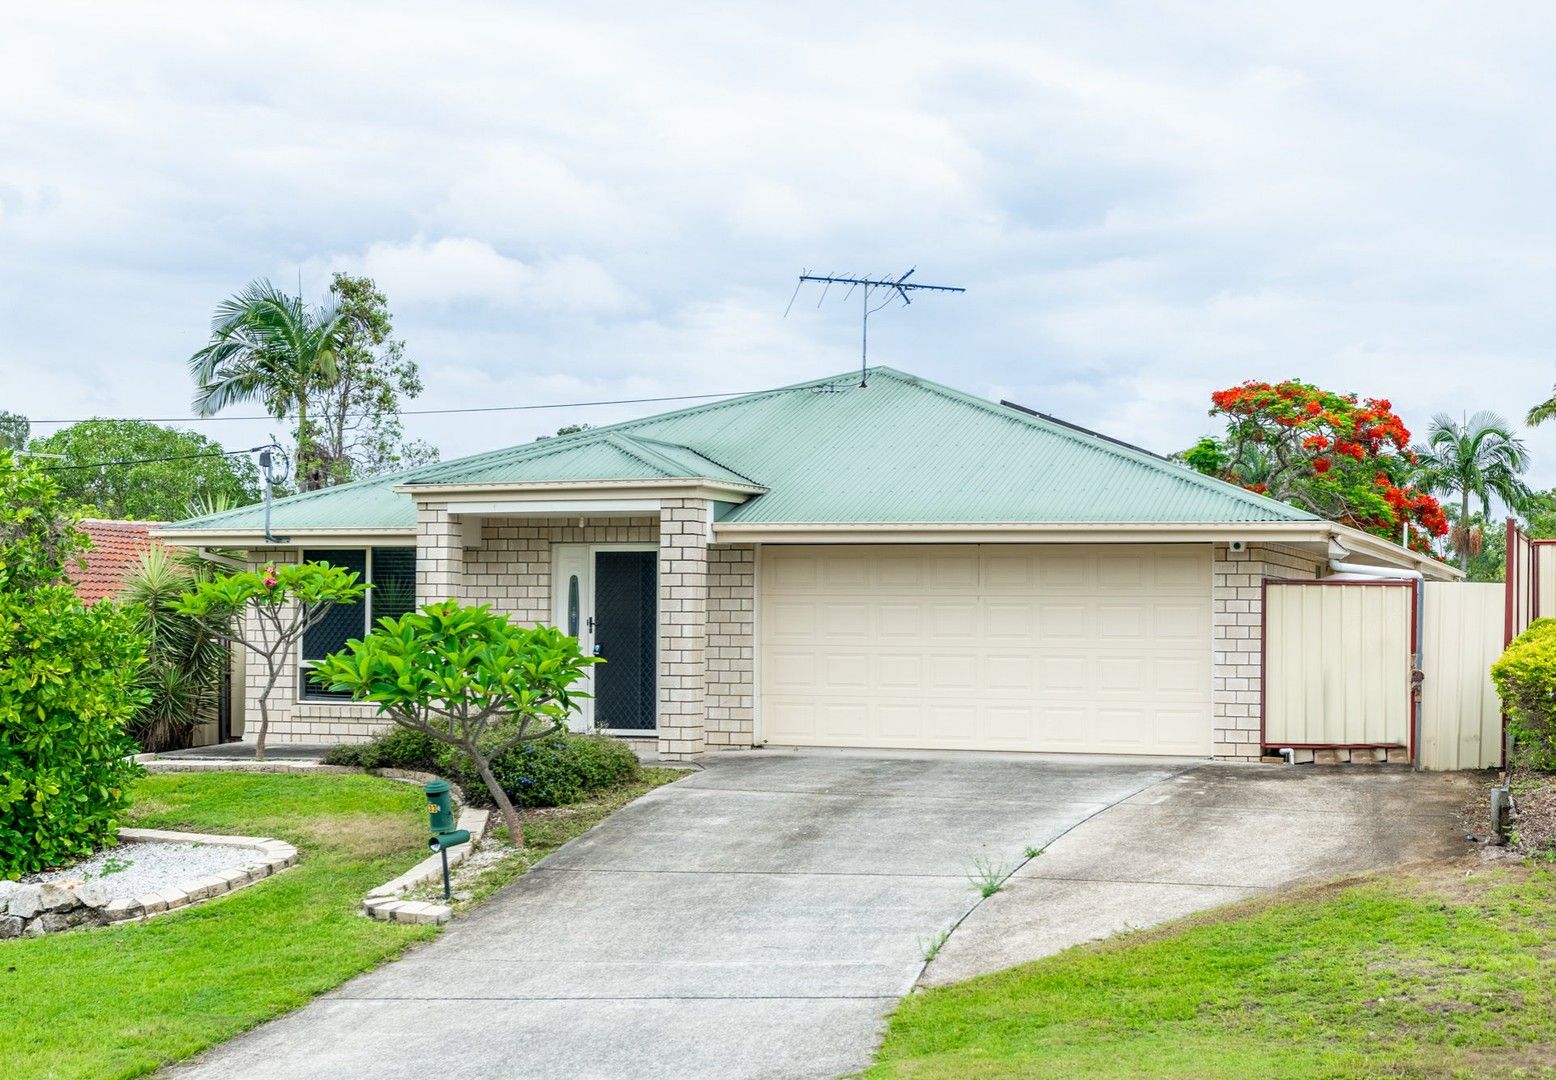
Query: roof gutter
{"x": 962, "y": 532}
{"x": 551, "y": 489}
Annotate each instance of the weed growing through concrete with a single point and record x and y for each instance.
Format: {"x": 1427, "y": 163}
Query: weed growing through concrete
{"x": 988, "y": 876}
{"x": 1034, "y": 852}
{"x": 933, "y": 946}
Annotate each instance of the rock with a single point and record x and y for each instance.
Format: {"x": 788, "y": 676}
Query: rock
{"x": 11, "y": 926}
{"x": 92, "y": 895}
{"x": 56, "y": 898}
{"x": 26, "y": 901}
{"x": 34, "y": 929}
{"x": 7, "y": 888}
{"x": 55, "y": 921}
{"x": 123, "y": 908}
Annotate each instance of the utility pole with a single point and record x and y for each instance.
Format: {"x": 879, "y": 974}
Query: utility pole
{"x": 896, "y": 289}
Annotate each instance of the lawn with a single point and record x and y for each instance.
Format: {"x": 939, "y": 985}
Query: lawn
{"x": 122, "y": 1001}
{"x": 1445, "y": 972}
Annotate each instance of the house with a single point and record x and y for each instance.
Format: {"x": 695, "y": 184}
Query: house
{"x": 116, "y": 552}
{"x": 895, "y": 565}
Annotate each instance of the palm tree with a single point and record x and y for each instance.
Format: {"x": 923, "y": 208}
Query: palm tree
{"x": 270, "y": 347}
{"x": 1474, "y": 459}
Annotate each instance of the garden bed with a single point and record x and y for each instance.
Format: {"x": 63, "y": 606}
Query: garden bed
{"x": 149, "y": 873}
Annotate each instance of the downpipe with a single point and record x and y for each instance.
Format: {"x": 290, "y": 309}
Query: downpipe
{"x": 1417, "y": 674}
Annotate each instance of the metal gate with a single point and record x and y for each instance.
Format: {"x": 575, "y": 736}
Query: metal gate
{"x": 1338, "y": 658}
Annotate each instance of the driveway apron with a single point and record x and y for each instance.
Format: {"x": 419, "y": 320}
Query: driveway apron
{"x": 758, "y": 919}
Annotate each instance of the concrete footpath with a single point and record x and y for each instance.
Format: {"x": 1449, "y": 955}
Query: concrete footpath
{"x": 761, "y": 918}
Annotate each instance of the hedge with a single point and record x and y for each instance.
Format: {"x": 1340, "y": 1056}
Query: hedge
{"x": 1525, "y": 676}
{"x": 555, "y": 771}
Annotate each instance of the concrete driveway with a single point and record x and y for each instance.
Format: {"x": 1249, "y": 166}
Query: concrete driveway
{"x": 762, "y": 917}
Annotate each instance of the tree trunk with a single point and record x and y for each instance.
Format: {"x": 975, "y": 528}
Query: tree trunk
{"x": 510, "y": 816}
{"x": 303, "y": 463}
{"x": 1464, "y": 530}
{"x": 264, "y": 725}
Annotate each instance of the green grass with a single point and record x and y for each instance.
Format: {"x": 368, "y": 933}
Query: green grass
{"x": 122, "y": 1001}
{"x": 1445, "y": 973}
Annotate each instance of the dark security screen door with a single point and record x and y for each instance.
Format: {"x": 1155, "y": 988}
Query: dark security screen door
{"x": 625, "y": 627}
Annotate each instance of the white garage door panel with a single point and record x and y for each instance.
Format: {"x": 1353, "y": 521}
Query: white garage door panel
{"x": 994, "y": 647}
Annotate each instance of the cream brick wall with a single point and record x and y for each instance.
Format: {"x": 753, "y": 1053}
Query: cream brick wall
{"x": 511, "y": 570}
{"x": 706, "y": 635}
{"x": 683, "y": 627}
{"x": 731, "y": 645}
{"x": 1236, "y": 639}
{"x": 440, "y": 555}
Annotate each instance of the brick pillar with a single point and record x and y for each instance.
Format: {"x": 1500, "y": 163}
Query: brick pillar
{"x": 683, "y": 626}
{"x": 1237, "y": 606}
{"x": 440, "y": 554}
{"x": 1235, "y": 677}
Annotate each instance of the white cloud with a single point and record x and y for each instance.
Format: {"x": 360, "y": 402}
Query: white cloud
{"x": 460, "y": 270}
{"x": 608, "y": 201}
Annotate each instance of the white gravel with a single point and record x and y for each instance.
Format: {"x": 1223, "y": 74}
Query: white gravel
{"x": 137, "y": 867}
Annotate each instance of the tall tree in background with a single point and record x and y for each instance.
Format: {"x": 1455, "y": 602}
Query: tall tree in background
{"x": 270, "y": 347}
{"x": 1340, "y": 457}
{"x": 1473, "y": 460}
{"x": 14, "y": 429}
{"x": 353, "y": 427}
{"x": 166, "y": 490}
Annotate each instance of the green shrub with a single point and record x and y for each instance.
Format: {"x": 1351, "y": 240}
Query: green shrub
{"x": 68, "y": 688}
{"x": 1525, "y": 676}
{"x": 554, "y": 771}
{"x": 397, "y": 748}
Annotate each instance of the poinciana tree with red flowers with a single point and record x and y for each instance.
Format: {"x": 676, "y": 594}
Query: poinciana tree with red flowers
{"x": 1341, "y": 457}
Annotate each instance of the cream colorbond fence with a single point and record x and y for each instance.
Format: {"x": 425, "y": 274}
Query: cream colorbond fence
{"x": 1339, "y": 657}
{"x": 1337, "y": 663}
{"x": 1461, "y": 715}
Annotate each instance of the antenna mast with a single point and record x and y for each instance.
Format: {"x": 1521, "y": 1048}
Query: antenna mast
{"x": 896, "y": 289}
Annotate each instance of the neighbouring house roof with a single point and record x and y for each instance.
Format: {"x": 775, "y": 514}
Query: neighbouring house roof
{"x": 117, "y": 547}
{"x": 902, "y": 450}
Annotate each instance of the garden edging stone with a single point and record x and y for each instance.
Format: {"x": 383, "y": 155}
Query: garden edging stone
{"x": 32, "y": 910}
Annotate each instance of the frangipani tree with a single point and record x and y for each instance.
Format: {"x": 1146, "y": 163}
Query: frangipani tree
{"x": 284, "y": 602}
{"x": 468, "y": 678}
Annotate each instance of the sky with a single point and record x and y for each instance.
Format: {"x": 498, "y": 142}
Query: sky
{"x": 1145, "y": 202}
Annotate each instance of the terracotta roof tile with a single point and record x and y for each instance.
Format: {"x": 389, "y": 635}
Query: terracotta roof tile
{"x": 116, "y": 550}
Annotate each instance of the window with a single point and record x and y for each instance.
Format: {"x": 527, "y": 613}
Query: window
{"x": 391, "y": 572}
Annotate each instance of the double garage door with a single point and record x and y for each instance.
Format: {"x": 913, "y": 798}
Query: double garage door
{"x": 1082, "y": 649}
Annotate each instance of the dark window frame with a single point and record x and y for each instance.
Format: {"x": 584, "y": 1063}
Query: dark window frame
{"x": 307, "y": 691}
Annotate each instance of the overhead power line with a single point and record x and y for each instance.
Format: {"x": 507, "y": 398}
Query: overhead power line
{"x": 417, "y": 412}
{"x": 151, "y": 460}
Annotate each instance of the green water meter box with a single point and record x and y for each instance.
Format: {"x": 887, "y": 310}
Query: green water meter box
{"x": 445, "y": 840}
{"x": 440, "y": 806}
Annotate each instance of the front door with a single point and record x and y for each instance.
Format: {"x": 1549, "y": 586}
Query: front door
{"x": 626, "y": 586}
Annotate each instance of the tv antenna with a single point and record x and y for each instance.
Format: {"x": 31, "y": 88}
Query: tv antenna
{"x": 895, "y": 288}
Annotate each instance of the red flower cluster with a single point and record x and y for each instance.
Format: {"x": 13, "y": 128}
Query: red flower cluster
{"x": 1409, "y": 504}
{"x": 1334, "y": 442}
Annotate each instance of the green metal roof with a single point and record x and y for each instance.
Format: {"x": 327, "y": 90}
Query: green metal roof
{"x": 901, "y": 450}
